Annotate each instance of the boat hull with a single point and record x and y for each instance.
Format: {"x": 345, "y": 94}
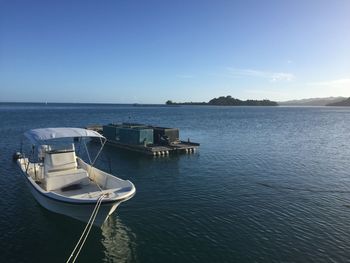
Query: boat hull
{"x": 78, "y": 211}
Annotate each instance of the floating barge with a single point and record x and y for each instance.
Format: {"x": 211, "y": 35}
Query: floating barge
{"x": 146, "y": 139}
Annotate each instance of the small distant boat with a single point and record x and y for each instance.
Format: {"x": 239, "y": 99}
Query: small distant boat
{"x": 63, "y": 183}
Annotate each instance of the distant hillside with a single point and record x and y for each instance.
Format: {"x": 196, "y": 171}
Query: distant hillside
{"x": 312, "y": 101}
{"x": 345, "y": 102}
{"x": 227, "y": 101}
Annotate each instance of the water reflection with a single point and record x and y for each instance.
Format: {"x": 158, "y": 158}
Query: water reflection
{"x": 119, "y": 241}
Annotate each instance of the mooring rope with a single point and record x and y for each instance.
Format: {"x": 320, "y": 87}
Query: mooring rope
{"x": 86, "y": 231}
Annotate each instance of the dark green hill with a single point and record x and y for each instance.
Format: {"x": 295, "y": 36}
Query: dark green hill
{"x": 229, "y": 101}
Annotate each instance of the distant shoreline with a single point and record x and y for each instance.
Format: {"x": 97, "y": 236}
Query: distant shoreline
{"x": 227, "y": 101}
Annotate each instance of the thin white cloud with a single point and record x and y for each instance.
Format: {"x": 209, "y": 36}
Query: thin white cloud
{"x": 272, "y": 76}
{"x": 280, "y": 76}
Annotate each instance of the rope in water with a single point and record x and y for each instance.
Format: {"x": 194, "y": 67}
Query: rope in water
{"x": 75, "y": 253}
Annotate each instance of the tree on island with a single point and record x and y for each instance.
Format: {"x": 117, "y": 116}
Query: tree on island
{"x": 228, "y": 100}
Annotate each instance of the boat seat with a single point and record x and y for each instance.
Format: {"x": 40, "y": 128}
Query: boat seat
{"x": 61, "y": 179}
{"x": 61, "y": 170}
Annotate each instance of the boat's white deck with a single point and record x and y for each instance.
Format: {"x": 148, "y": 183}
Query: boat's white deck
{"x": 85, "y": 191}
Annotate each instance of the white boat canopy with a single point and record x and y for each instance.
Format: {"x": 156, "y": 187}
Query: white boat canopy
{"x": 37, "y": 135}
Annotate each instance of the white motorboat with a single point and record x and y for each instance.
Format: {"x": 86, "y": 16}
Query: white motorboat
{"x": 63, "y": 183}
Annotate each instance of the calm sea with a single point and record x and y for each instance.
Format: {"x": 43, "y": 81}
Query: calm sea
{"x": 268, "y": 184}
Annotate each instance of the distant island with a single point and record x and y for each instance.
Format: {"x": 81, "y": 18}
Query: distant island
{"x": 345, "y": 102}
{"x": 227, "y": 101}
{"x": 313, "y": 101}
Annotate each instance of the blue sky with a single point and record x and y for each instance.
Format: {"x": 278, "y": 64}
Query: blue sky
{"x": 151, "y": 51}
